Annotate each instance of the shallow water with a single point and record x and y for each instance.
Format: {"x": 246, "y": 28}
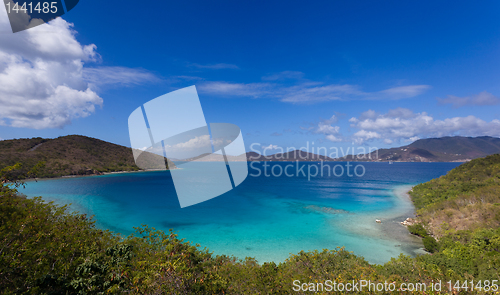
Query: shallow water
{"x": 265, "y": 217}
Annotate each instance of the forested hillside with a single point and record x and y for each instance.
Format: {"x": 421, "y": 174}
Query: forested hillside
{"x": 459, "y": 218}
{"x": 442, "y": 149}
{"x": 468, "y": 197}
{"x": 67, "y": 155}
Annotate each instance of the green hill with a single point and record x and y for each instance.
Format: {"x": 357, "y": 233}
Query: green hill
{"x": 458, "y": 216}
{"x": 67, "y": 155}
{"x": 466, "y": 198}
{"x": 443, "y": 149}
{"x": 468, "y": 147}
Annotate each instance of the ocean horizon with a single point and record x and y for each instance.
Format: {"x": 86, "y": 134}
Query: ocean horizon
{"x": 266, "y": 217}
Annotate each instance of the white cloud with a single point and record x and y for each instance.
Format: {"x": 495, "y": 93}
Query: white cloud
{"x": 327, "y": 129}
{"x": 218, "y": 66}
{"x": 54, "y": 41}
{"x": 271, "y": 147}
{"x": 332, "y": 133}
{"x": 118, "y": 75}
{"x": 333, "y": 119}
{"x": 403, "y": 124}
{"x": 482, "y": 99}
{"x": 333, "y": 138}
{"x": 370, "y": 114}
{"x": 317, "y": 93}
{"x": 363, "y": 135}
{"x": 237, "y": 89}
{"x": 403, "y": 91}
{"x": 306, "y": 92}
{"x": 193, "y": 143}
{"x": 43, "y": 81}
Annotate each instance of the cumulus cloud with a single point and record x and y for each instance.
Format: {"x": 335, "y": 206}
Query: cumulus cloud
{"x": 332, "y": 133}
{"x": 43, "y": 81}
{"x": 333, "y": 138}
{"x": 403, "y": 124}
{"x": 307, "y": 92}
{"x": 482, "y": 99}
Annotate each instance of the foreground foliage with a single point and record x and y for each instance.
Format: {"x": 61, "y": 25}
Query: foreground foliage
{"x": 45, "y": 250}
{"x": 461, "y": 210}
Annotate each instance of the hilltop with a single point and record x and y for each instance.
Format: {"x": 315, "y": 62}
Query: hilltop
{"x": 67, "y": 155}
{"x": 467, "y": 198}
{"x": 443, "y": 149}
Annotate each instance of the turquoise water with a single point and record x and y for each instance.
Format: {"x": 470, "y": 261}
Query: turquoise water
{"x": 265, "y": 217}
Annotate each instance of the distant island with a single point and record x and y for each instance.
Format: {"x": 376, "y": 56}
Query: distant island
{"x": 68, "y": 155}
{"x": 443, "y": 149}
{"x": 77, "y": 155}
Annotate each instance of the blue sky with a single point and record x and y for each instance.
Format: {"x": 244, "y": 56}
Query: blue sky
{"x": 337, "y": 73}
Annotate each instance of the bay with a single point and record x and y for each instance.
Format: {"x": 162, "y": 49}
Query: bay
{"x": 269, "y": 215}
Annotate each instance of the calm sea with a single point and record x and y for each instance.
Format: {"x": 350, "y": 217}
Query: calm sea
{"x": 266, "y": 217}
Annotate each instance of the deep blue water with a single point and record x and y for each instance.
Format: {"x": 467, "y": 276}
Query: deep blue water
{"x": 264, "y": 217}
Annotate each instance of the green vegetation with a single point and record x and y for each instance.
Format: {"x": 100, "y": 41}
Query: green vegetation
{"x": 418, "y": 230}
{"x": 67, "y": 155}
{"x": 467, "y": 198}
{"x": 430, "y": 244}
{"x": 46, "y": 250}
{"x": 459, "y": 219}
